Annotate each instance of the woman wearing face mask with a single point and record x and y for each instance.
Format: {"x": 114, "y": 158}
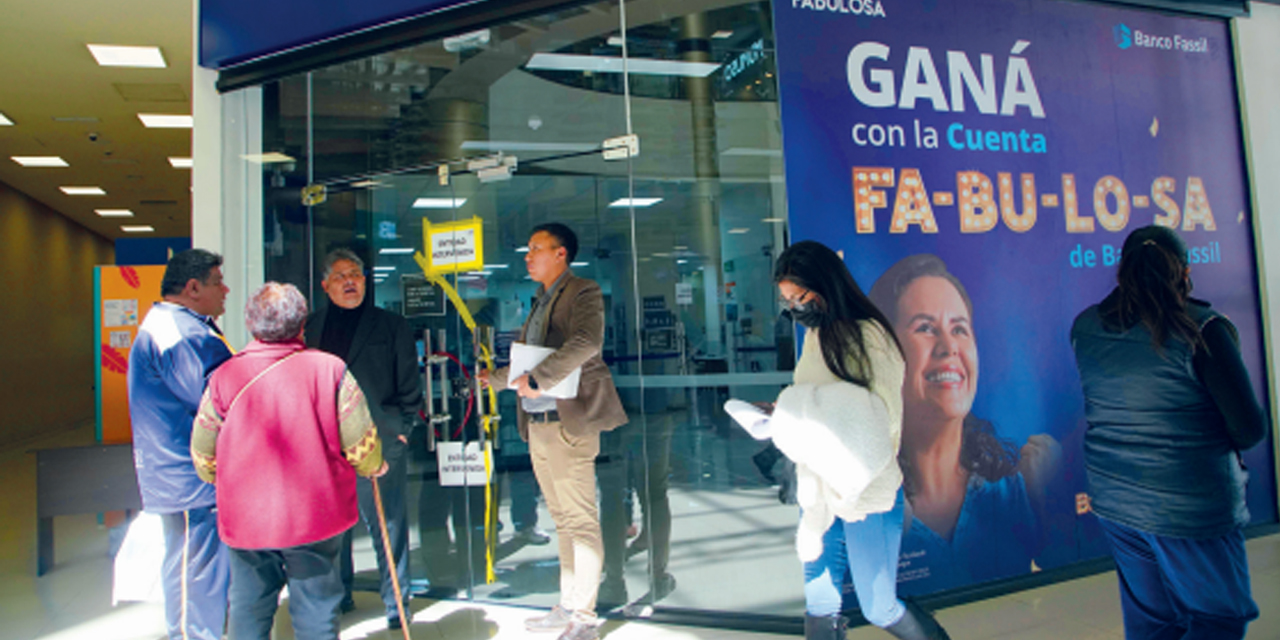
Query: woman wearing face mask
{"x": 973, "y": 501}
{"x": 1170, "y": 407}
{"x": 840, "y": 423}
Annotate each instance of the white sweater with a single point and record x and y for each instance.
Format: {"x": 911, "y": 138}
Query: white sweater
{"x": 843, "y": 438}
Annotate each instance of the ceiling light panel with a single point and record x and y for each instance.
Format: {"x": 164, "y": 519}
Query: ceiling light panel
{"x": 40, "y": 161}
{"x": 114, "y": 213}
{"x": 609, "y": 64}
{"x": 83, "y": 191}
{"x": 165, "y": 121}
{"x": 635, "y": 202}
{"x": 180, "y": 163}
{"x": 5, "y": 121}
{"x": 110, "y": 55}
{"x": 438, "y": 203}
{"x": 137, "y": 228}
{"x": 271, "y": 157}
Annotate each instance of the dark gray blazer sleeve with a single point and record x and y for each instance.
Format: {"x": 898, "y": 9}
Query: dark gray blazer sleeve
{"x": 408, "y": 379}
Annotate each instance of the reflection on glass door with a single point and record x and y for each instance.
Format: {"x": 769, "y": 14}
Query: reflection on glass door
{"x": 681, "y": 239}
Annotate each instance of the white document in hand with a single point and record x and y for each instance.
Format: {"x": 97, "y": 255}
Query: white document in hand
{"x": 751, "y": 417}
{"x": 525, "y": 357}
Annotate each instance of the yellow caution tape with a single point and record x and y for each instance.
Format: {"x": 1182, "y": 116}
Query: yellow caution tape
{"x": 491, "y": 490}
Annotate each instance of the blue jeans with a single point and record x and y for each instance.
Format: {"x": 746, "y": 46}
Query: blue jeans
{"x": 1179, "y": 588}
{"x": 869, "y": 551}
{"x": 315, "y": 590}
{"x": 195, "y": 563}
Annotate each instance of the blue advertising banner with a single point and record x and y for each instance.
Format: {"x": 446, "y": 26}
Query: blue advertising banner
{"x": 234, "y": 31}
{"x": 1008, "y": 147}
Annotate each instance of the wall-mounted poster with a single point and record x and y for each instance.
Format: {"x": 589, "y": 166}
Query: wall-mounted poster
{"x": 985, "y": 159}
{"x": 123, "y": 295}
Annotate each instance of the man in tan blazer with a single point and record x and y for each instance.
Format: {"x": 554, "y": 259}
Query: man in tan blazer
{"x": 564, "y": 435}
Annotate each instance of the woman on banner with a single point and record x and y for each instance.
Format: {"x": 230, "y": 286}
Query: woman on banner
{"x": 840, "y": 424}
{"x": 1170, "y": 407}
{"x": 974, "y": 501}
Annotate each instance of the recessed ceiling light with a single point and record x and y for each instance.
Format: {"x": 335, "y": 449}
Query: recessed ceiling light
{"x": 4, "y": 121}
{"x": 137, "y": 228}
{"x": 180, "y": 163}
{"x": 773, "y": 220}
{"x": 610, "y": 64}
{"x": 395, "y": 251}
{"x": 40, "y": 161}
{"x": 438, "y": 203}
{"x": 635, "y": 202}
{"x": 498, "y": 266}
{"x": 680, "y": 247}
{"x": 578, "y": 264}
{"x": 386, "y": 268}
{"x": 721, "y": 34}
{"x": 110, "y": 55}
{"x": 114, "y": 213}
{"x": 739, "y": 230}
{"x": 165, "y": 121}
{"x": 366, "y": 183}
{"x": 522, "y": 249}
{"x": 271, "y": 157}
{"x": 83, "y": 191}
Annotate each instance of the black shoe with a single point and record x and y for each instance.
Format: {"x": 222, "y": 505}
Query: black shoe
{"x": 533, "y": 536}
{"x": 917, "y": 624}
{"x": 663, "y": 586}
{"x": 348, "y": 605}
{"x": 612, "y": 594}
{"x": 393, "y": 622}
{"x": 825, "y": 627}
{"x": 639, "y": 545}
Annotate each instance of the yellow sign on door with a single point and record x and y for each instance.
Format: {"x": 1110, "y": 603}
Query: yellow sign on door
{"x": 453, "y": 247}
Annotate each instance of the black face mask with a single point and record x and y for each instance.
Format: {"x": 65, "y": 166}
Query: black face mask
{"x": 809, "y": 316}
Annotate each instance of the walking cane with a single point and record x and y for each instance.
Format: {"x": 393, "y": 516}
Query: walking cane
{"x": 391, "y": 559}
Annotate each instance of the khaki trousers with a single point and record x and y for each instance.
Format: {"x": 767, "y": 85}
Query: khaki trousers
{"x": 566, "y": 472}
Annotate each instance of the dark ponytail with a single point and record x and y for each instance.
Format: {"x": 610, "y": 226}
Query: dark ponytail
{"x": 1154, "y": 288}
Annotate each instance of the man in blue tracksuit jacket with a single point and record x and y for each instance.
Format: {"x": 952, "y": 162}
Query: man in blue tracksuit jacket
{"x": 177, "y": 347}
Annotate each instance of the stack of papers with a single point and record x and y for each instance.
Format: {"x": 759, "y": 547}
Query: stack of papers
{"x": 525, "y": 357}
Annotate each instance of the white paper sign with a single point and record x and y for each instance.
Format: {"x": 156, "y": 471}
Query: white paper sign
{"x": 684, "y": 293}
{"x": 464, "y": 466}
{"x": 120, "y": 339}
{"x": 453, "y": 247}
{"x": 119, "y": 313}
{"x": 525, "y": 357}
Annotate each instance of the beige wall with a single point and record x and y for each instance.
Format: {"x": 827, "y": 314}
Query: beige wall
{"x": 1258, "y": 73}
{"x": 46, "y": 319}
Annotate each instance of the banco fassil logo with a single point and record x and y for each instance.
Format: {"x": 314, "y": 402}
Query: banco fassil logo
{"x": 1124, "y": 39}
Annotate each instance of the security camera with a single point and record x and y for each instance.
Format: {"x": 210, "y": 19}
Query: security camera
{"x": 93, "y": 136}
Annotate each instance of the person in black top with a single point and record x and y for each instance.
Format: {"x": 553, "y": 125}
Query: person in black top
{"x": 1170, "y": 407}
{"x": 378, "y": 347}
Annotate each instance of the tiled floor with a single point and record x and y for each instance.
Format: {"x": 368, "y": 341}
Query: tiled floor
{"x": 74, "y": 601}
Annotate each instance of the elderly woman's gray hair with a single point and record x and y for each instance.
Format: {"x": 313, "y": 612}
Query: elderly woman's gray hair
{"x": 275, "y": 312}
